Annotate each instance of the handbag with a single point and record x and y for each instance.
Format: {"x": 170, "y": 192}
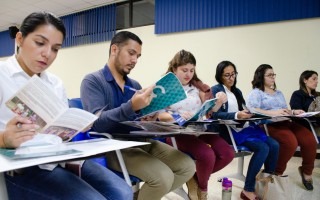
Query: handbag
{"x": 269, "y": 186}
{"x": 250, "y": 133}
{"x": 315, "y": 105}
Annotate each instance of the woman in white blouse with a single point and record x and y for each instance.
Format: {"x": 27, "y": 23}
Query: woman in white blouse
{"x": 210, "y": 151}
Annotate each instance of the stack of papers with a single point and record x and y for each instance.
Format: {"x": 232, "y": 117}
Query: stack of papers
{"x": 40, "y": 146}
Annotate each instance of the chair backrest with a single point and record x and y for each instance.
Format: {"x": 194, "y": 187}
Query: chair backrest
{"x": 75, "y": 103}
{"x": 237, "y": 148}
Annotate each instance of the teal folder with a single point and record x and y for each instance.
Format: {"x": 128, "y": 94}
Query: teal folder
{"x": 168, "y": 91}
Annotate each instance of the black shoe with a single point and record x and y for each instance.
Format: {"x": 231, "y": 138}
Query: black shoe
{"x": 307, "y": 183}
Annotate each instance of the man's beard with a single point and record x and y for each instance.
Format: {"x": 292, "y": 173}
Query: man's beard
{"x": 120, "y": 69}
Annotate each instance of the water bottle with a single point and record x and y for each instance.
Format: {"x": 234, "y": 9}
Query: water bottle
{"x": 226, "y": 189}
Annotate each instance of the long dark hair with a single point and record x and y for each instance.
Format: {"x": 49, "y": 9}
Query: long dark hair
{"x": 305, "y": 76}
{"x": 219, "y": 73}
{"x": 121, "y": 38}
{"x": 181, "y": 58}
{"x": 258, "y": 78}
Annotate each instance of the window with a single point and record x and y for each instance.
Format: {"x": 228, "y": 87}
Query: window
{"x": 141, "y": 14}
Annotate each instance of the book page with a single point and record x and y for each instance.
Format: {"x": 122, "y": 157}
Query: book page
{"x": 38, "y": 102}
{"x": 39, "y": 151}
{"x": 307, "y": 114}
{"x": 71, "y": 123}
{"x": 199, "y": 115}
{"x": 155, "y": 126}
{"x": 269, "y": 118}
{"x": 303, "y": 115}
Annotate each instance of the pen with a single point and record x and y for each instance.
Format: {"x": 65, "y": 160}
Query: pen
{"x": 130, "y": 88}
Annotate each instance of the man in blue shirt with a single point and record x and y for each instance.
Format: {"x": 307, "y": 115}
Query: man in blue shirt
{"x": 160, "y": 166}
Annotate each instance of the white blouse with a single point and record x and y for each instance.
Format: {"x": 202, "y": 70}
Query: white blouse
{"x": 191, "y": 104}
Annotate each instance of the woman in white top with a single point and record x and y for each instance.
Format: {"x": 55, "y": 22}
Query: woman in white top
{"x": 211, "y": 152}
{"x": 39, "y": 40}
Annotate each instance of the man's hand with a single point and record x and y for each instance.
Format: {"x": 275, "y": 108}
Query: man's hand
{"x": 142, "y": 98}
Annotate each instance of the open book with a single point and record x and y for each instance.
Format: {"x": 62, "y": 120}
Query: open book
{"x": 39, "y": 103}
{"x": 205, "y": 108}
{"x": 270, "y": 119}
{"x": 306, "y": 115}
{"x": 165, "y": 128}
{"x": 199, "y": 115}
{"x": 168, "y": 91}
{"x": 10, "y": 159}
{"x": 38, "y": 151}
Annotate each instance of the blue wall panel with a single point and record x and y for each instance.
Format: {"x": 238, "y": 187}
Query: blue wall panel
{"x": 184, "y": 15}
{"x": 6, "y": 44}
{"x": 90, "y": 26}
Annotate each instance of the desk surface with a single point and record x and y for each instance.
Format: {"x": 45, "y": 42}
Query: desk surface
{"x": 87, "y": 147}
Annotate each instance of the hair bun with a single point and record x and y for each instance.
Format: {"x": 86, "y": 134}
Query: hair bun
{"x": 13, "y": 30}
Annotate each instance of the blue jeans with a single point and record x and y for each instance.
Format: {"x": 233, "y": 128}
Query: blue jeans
{"x": 96, "y": 182}
{"x": 263, "y": 153}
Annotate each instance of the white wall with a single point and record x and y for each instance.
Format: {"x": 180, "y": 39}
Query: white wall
{"x": 290, "y": 47}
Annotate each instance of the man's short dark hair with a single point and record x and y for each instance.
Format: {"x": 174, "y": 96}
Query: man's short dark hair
{"x": 122, "y": 37}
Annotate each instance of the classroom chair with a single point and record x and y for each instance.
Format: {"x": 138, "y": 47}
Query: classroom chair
{"x": 132, "y": 181}
{"x": 240, "y": 153}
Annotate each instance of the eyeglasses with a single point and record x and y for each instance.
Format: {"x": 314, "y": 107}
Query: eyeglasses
{"x": 271, "y": 75}
{"x": 228, "y": 76}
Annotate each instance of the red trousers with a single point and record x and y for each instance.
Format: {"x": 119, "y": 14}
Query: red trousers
{"x": 210, "y": 152}
{"x": 290, "y": 135}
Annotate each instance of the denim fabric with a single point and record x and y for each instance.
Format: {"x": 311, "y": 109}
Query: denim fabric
{"x": 263, "y": 153}
{"x": 97, "y": 182}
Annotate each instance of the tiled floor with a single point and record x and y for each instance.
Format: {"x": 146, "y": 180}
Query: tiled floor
{"x": 299, "y": 193}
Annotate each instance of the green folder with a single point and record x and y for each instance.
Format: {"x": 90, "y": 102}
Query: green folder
{"x": 168, "y": 91}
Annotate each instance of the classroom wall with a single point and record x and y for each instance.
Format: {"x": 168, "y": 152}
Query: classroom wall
{"x": 290, "y": 47}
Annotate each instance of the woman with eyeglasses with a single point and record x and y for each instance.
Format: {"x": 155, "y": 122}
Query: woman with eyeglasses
{"x": 266, "y": 99}
{"x": 211, "y": 152}
{"x": 265, "y": 149}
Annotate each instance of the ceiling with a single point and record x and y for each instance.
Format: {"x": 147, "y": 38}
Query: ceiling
{"x": 12, "y": 12}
